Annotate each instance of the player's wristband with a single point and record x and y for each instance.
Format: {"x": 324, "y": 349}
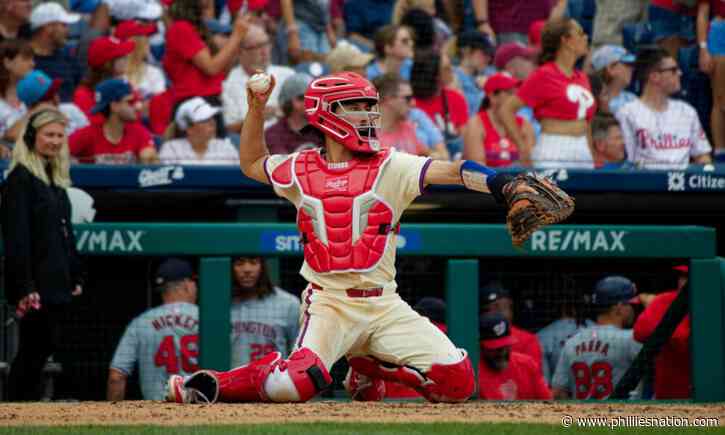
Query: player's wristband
{"x": 482, "y": 179}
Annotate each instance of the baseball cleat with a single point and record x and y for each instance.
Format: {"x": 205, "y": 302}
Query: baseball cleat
{"x": 175, "y": 391}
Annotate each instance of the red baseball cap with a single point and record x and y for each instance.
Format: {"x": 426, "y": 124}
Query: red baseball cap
{"x": 107, "y": 48}
{"x": 682, "y": 268}
{"x": 252, "y": 5}
{"x": 535, "y": 30}
{"x": 129, "y": 28}
{"x": 500, "y": 82}
{"x": 511, "y": 50}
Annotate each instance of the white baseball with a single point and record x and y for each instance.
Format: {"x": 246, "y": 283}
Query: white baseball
{"x": 259, "y": 83}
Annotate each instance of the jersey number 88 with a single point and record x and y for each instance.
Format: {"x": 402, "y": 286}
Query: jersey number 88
{"x": 593, "y": 382}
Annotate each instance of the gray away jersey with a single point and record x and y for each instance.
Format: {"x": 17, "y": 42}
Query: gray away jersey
{"x": 261, "y": 326}
{"x": 552, "y": 338}
{"x": 164, "y": 341}
{"x": 594, "y": 360}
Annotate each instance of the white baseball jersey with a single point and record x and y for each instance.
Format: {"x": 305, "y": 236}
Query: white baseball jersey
{"x": 261, "y": 326}
{"x": 552, "y": 338}
{"x": 163, "y": 341}
{"x": 400, "y": 183}
{"x": 594, "y": 360}
{"x": 662, "y": 140}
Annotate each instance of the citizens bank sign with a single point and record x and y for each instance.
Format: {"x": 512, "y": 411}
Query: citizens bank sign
{"x": 681, "y": 181}
{"x": 103, "y": 241}
{"x": 555, "y": 240}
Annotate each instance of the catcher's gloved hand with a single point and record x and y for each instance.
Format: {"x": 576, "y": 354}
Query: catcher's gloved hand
{"x": 534, "y": 201}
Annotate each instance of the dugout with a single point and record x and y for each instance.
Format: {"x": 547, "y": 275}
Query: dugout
{"x": 435, "y": 259}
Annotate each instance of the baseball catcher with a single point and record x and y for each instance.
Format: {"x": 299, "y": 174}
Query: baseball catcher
{"x": 350, "y": 195}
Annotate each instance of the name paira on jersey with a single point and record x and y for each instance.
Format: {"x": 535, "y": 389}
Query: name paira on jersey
{"x": 594, "y": 360}
{"x": 662, "y": 140}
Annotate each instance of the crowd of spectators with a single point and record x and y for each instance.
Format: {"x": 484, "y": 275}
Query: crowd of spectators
{"x": 504, "y": 82}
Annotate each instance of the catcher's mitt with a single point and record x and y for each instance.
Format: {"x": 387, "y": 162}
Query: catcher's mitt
{"x": 534, "y": 201}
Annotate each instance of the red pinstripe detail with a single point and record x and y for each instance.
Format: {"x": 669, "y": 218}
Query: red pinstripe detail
{"x": 308, "y": 301}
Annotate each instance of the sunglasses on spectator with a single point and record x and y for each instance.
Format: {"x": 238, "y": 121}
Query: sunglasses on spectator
{"x": 673, "y": 69}
{"x": 264, "y": 44}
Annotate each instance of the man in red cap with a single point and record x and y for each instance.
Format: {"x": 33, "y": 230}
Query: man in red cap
{"x": 502, "y": 373}
{"x": 516, "y": 59}
{"x": 672, "y": 365}
{"x": 107, "y": 58}
{"x": 494, "y": 298}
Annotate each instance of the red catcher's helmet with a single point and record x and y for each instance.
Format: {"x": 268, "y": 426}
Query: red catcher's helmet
{"x": 320, "y": 97}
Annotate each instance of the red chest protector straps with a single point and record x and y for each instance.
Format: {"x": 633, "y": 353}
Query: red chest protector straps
{"x": 345, "y": 226}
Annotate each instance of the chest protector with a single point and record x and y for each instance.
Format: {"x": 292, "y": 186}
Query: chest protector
{"x": 344, "y": 225}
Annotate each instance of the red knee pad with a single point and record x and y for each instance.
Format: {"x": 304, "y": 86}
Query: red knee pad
{"x": 307, "y": 372}
{"x": 245, "y": 383}
{"x": 450, "y": 382}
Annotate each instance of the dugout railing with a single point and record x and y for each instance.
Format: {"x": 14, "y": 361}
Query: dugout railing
{"x": 462, "y": 244}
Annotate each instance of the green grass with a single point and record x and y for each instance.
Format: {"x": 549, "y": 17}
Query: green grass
{"x": 346, "y": 429}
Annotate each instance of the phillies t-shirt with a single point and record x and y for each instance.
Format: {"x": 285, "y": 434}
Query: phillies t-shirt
{"x": 553, "y": 94}
{"x": 457, "y": 110}
{"x": 500, "y": 151}
{"x": 662, "y": 140}
{"x": 90, "y": 145}
{"x": 521, "y": 380}
{"x": 183, "y": 42}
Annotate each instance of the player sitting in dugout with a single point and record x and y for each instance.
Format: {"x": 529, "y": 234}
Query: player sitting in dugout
{"x": 502, "y": 373}
{"x": 350, "y": 196}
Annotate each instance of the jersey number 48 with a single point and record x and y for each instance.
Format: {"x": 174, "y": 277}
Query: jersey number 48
{"x": 166, "y": 355}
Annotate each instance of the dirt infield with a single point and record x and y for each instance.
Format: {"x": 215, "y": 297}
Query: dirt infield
{"x": 158, "y": 413}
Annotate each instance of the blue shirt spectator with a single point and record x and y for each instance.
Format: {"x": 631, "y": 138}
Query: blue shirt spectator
{"x": 374, "y": 70}
{"x": 476, "y": 52}
{"x": 425, "y": 130}
{"x": 473, "y": 93}
{"x": 614, "y": 65}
